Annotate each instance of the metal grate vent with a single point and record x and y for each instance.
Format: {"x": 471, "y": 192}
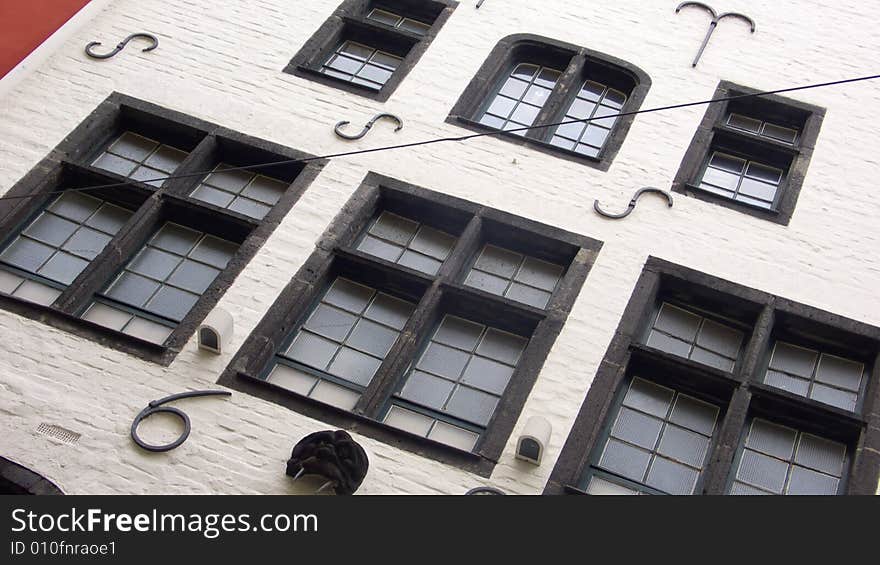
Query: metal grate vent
{"x": 59, "y": 433}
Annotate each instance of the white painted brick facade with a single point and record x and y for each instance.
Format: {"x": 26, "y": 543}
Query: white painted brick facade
{"x": 221, "y": 60}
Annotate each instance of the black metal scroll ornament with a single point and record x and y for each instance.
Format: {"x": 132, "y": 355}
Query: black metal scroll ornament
{"x": 715, "y": 19}
{"x": 333, "y": 455}
{"x": 90, "y": 48}
{"x": 367, "y": 127}
{"x": 155, "y": 407}
{"x": 483, "y": 491}
{"x": 633, "y": 202}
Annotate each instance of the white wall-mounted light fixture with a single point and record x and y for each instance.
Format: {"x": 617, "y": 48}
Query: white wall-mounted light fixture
{"x": 533, "y": 440}
{"x": 216, "y": 331}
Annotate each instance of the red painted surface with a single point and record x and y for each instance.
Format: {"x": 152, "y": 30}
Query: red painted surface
{"x": 25, "y": 24}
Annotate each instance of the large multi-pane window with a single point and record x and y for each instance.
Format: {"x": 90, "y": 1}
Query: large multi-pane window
{"x": 563, "y": 99}
{"x": 751, "y": 153}
{"x": 367, "y": 47}
{"x": 57, "y": 245}
{"x": 157, "y": 288}
{"x": 172, "y": 255}
{"x": 786, "y": 415}
{"x": 657, "y": 443}
{"x": 821, "y": 376}
{"x": 776, "y": 459}
{"x": 339, "y": 348}
{"x": 407, "y": 242}
{"x": 453, "y": 389}
{"x": 373, "y": 334}
{"x": 693, "y": 336}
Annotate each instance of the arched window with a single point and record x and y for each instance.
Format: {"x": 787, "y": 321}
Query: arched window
{"x": 530, "y": 81}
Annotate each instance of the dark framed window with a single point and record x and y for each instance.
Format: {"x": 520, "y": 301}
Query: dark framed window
{"x": 367, "y": 47}
{"x": 138, "y": 267}
{"x": 533, "y": 81}
{"x": 733, "y": 430}
{"x": 751, "y": 154}
{"x": 381, "y": 331}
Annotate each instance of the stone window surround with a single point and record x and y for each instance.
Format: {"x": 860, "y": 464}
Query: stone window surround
{"x": 69, "y": 165}
{"x": 741, "y": 393}
{"x": 714, "y": 130}
{"x": 575, "y": 62}
{"x": 444, "y": 293}
{"x": 351, "y": 18}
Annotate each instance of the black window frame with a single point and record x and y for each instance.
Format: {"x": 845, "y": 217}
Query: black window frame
{"x": 69, "y": 165}
{"x": 350, "y": 20}
{"x": 741, "y": 392}
{"x": 577, "y": 65}
{"x": 714, "y": 133}
{"x": 443, "y": 294}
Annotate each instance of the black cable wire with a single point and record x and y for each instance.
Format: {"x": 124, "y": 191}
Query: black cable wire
{"x": 455, "y": 139}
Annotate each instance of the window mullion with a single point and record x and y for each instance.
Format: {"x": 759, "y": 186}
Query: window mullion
{"x": 402, "y": 354}
{"x": 727, "y": 441}
{"x": 115, "y": 255}
{"x": 554, "y": 109}
{"x": 202, "y": 158}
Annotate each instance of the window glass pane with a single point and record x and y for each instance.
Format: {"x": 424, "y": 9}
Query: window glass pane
{"x": 672, "y": 477}
{"x": 38, "y": 293}
{"x": 312, "y": 350}
{"x": 51, "y": 229}
{"x": 454, "y": 436}
{"x": 728, "y": 163}
{"x": 354, "y": 366}
{"x": 805, "y": 481}
{"x": 684, "y": 446}
{"x": 385, "y": 17}
{"x": 625, "y": 460}
{"x": 132, "y": 289}
{"x": 840, "y": 372}
{"x": 63, "y": 268}
{"x": 744, "y": 122}
{"x": 834, "y": 397}
{"x": 487, "y": 282}
{"x": 214, "y": 251}
{"x": 75, "y": 206}
{"x": 147, "y": 330}
{"x": 502, "y": 346}
{"x": 433, "y": 243}
{"x": 172, "y": 303}
{"x": 719, "y": 339}
{"x": 711, "y": 359}
{"x": 746, "y": 490}
{"x": 599, "y": 487}
{"x": 107, "y": 316}
{"x": 133, "y": 146}
{"x": 26, "y": 254}
{"x": 249, "y": 208}
{"x": 409, "y": 421}
{"x": 694, "y": 414}
{"x": 780, "y": 133}
{"x": 413, "y": 26}
{"x": 372, "y": 338}
{"x": 487, "y": 375}
{"x": 390, "y": 311}
{"x": 419, "y": 262}
{"x": 763, "y": 471}
{"x": 443, "y": 361}
{"x": 292, "y": 379}
{"x": 669, "y": 344}
{"x": 540, "y": 274}
{"x": 349, "y": 295}
{"x": 156, "y": 264}
{"x": 193, "y": 276}
{"x": 786, "y": 382}
{"x": 772, "y": 439}
{"x": 821, "y": 454}
{"x": 528, "y": 295}
{"x": 335, "y": 395}
{"x": 459, "y": 332}
{"x": 166, "y": 159}
{"x": 637, "y": 428}
{"x": 427, "y": 390}
{"x": 472, "y": 405}
{"x": 677, "y": 322}
{"x": 175, "y": 238}
{"x": 649, "y": 397}
{"x": 793, "y": 360}
{"x": 330, "y": 322}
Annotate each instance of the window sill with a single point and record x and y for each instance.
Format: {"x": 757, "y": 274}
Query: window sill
{"x": 113, "y": 339}
{"x": 769, "y": 214}
{"x": 316, "y": 75}
{"x": 358, "y": 423}
{"x": 542, "y": 146}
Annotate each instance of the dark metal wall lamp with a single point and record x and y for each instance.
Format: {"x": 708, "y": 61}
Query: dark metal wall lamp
{"x": 370, "y": 124}
{"x": 714, "y": 23}
{"x": 633, "y": 202}
{"x": 148, "y": 36}
{"x": 155, "y": 407}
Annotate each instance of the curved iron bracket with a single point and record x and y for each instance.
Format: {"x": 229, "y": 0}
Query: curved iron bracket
{"x": 90, "y": 48}
{"x": 484, "y": 491}
{"x": 716, "y": 18}
{"x": 367, "y": 127}
{"x": 633, "y": 202}
{"x": 155, "y": 407}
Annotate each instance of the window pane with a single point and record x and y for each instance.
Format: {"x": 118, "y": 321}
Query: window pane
{"x": 528, "y": 295}
{"x": 109, "y": 218}
{"x": 472, "y": 405}
{"x": 147, "y": 330}
{"x": 419, "y": 262}
{"x": 349, "y": 295}
{"x": 834, "y": 397}
{"x": 672, "y": 477}
{"x": 354, "y": 366}
{"x": 684, "y": 446}
{"x": 786, "y": 382}
{"x": 330, "y": 322}
{"x": 409, "y": 421}
{"x": 75, "y": 206}
{"x": 599, "y": 486}
{"x": 26, "y": 254}
{"x": 335, "y": 395}
{"x": 63, "y": 268}
{"x": 762, "y": 471}
{"x": 172, "y": 303}
{"x": 772, "y": 439}
{"x": 214, "y": 251}
{"x": 694, "y": 414}
{"x": 625, "y": 460}
{"x": 459, "y": 332}
{"x": 711, "y": 359}
{"x": 51, "y": 229}
{"x": 193, "y": 276}
{"x": 38, "y": 293}
{"x": 312, "y": 350}
{"x": 805, "y": 481}
{"x": 443, "y": 361}
{"x": 454, "y": 436}
{"x": 390, "y": 311}
{"x": 677, "y": 322}
{"x": 794, "y": 360}
{"x": 487, "y": 282}
{"x": 502, "y": 346}
{"x": 487, "y": 375}
{"x": 840, "y": 372}
{"x": 648, "y": 397}
{"x": 539, "y": 274}
{"x": 427, "y": 390}
{"x": 154, "y": 263}
{"x": 107, "y": 316}
{"x": 176, "y": 239}
{"x": 669, "y": 344}
{"x": 637, "y": 428}
{"x": 292, "y": 379}
{"x": 719, "y": 339}
{"x": 433, "y": 242}
{"x": 821, "y": 454}
{"x": 372, "y": 338}
{"x": 133, "y": 146}
{"x": 380, "y": 248}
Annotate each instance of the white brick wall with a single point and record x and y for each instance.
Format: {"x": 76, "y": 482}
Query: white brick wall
{"x": 221, "y": 60}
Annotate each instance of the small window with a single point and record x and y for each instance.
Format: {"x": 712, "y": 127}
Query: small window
{"x": 692, "y": 336}
{"x": 777, "y": 459}
{"x": 157, "y": 289}
{"x": 58, "y": 245}
{"x": 817, "y": 375}
{"x": 513, "y": 275}
{"x": 407, "y": 242}
{"x": 751, "y": 154}
{"x": 457, "y": 382}
{"x": 658, "y": 443}
{"x": 532, "y": 83}
{"x": 368, "y": 47}
{"x": 337, "y": 351}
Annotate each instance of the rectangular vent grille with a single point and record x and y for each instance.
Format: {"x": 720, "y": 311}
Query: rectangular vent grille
{"x": 59, "y": 433}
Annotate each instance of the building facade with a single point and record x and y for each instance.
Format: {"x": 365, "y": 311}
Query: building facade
{"x": 443, "y": 301}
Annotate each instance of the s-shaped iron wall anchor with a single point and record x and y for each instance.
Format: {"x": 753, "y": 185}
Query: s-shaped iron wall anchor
{"x": 633, "y": 202}
{"x": 715, "y": 19}
{"x": 149, "y": 36}
{"x": 367, "y": 127}
{"x": 480, "y": 3}
{"x": 155, "y": 407}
